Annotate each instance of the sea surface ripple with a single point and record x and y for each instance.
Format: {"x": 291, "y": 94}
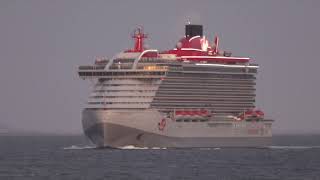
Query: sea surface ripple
{"x": 291, "y": 157}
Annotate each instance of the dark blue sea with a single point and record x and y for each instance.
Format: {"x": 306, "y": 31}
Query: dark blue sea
{"x": 73, "y": 157}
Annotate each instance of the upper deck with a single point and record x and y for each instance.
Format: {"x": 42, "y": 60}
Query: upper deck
{"x": 192, "y": 54}
{"x": 157, "y": 67}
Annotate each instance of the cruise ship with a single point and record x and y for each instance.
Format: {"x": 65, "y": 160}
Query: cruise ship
{"x": 193, "y": 95}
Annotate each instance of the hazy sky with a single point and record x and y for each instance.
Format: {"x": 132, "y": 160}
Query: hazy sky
{"x": 43, "y": 41}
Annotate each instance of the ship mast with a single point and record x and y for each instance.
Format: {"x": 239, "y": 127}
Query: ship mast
{"x": 139, "y": 37}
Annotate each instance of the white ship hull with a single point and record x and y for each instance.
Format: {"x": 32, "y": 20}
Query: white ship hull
{"x": 118, "y": 128}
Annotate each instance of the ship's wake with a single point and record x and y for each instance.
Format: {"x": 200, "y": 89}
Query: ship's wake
{"x": 135, "y": 147}
{"x": 76, "y": 147}
{"x": 214, "y": 148}
{"x": 293, "y": 147}
{"x": 131, "y": 147}
{"x": 164, "y": 148}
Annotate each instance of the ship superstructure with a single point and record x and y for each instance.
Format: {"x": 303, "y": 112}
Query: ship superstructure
{"x": 193, "y": 95}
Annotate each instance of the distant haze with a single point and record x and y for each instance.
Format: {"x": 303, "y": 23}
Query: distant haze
{"x": 43, "y": 41}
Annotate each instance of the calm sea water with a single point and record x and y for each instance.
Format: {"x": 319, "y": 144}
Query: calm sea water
{"x": 72, "y": 157}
